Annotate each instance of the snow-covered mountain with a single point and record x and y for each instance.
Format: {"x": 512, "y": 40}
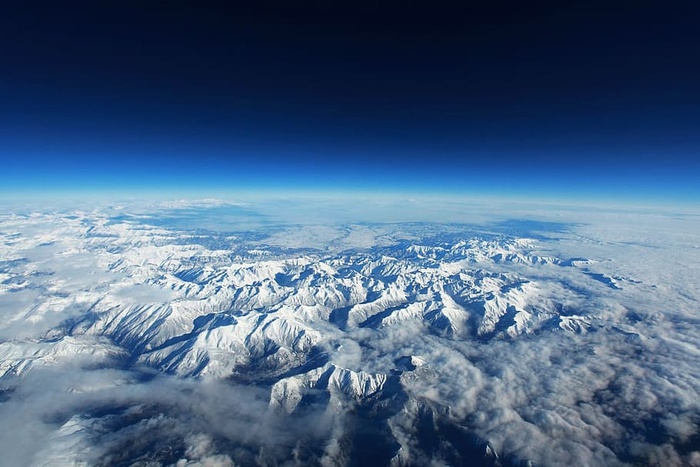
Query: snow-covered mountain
{"x": 415, "y": 343}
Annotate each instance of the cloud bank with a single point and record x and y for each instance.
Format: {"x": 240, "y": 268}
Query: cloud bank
{"x": 125, "y": 340}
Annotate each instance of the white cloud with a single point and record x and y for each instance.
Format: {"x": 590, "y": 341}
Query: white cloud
{"x": 616, "y": 383}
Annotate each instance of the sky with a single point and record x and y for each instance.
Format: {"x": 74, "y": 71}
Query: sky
{"x": 581, "y": 100}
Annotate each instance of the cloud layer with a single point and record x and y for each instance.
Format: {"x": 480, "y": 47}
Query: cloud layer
{"x": 124, "y": 341}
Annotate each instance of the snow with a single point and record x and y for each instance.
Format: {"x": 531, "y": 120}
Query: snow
{"x": 541, "y": 347}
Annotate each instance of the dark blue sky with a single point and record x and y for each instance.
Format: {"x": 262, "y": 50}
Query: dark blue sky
{"x": 564, "y": 99}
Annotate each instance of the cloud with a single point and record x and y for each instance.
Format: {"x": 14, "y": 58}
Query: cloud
{"x": 106, "y": 417}
{"x": 620, "y": 388}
